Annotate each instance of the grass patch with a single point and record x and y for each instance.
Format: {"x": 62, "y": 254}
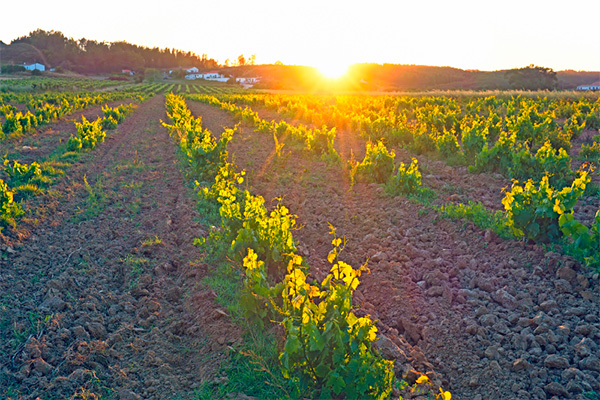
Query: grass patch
{"x": 20, "y": 332}
{"x": 133, "y": 186}
{"x": 136, "y": 266}
{"x": 225, "y": 280}
{"x": 131, "y": 167}
{"x": 424, "y": 196}
{"x": 253, "y": 370}
{"x": 95, "y": 202}
{"x": 479, "y": 215}
{"x": 69, "y": 157}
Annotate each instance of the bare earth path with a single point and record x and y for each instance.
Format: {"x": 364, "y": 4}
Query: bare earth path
{"x": 493, "y": 319}
{"x": 104, "y": 295}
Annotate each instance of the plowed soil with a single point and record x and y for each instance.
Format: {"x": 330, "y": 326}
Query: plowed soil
{"x": 103, "y": 296}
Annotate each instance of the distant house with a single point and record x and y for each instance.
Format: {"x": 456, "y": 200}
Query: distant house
{"x": 127, "y": 71}
{"x": 209, "y": 76}
{"x": 192, "y": 70}
{"x": 34, "y": 66}
{"x": 250, "y": 81}
{"x": 247, "y": 82}
{"x": 593, "y": 86}
{"x": 213, "y": 76}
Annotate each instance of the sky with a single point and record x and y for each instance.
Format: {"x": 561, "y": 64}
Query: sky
{"x": 332, "y": 34}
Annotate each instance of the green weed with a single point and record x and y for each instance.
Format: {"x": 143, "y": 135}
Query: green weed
{"x": 95, "y": 202}
{"x": 478, "y": 214}
{"x": 136, "y": 266}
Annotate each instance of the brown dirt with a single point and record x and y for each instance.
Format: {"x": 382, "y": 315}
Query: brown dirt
{"x": 104, "y": 295}
{"x": 491, "y": 318}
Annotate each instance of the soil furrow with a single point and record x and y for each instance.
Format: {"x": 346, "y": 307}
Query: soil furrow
{"x": 105, "y": 294}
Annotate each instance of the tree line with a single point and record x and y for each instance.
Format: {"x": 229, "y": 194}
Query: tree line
{"x": 55, "y": 50}
{"x": 421, "y": 77}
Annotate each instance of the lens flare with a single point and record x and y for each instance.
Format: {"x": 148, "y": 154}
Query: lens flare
{"x": 333, "y": 70}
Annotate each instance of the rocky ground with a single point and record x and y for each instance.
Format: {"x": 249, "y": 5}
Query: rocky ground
{"x": 490, "y": 318}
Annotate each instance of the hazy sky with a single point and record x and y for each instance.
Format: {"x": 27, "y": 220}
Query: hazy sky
{"x": 466, "y": 34}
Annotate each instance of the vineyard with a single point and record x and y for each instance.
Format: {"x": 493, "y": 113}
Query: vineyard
{"x": 11, "y": 88}
{"x": 175, "y": 240}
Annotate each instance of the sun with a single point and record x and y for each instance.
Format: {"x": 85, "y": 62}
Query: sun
{"x": 333, "y": 70}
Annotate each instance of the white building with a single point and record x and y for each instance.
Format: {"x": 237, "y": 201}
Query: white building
{"x": 593, "y": 86}
{"x": 212, "y": 76}
{"x": 34, "y": 66}
{"x": 209, "y": 76}
{"x": 250, "y": 81}
{"x": 192, "y": 70}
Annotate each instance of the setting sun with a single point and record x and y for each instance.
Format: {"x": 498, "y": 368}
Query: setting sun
{"x": 333, "y": 70}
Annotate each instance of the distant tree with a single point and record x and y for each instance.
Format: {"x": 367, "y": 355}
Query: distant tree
{"x": 241, "y": 60}
{"x": 252, "y": 59}
{"x": 11, "y": 69}
{"x": 152, "y": 75}
{"x": 532, "y": 77}
{"x": 140, "y": 75}
{"x": 179, "y": 74}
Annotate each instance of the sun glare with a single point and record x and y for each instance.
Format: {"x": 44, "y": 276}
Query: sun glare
{"x": 332, "y": 70}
